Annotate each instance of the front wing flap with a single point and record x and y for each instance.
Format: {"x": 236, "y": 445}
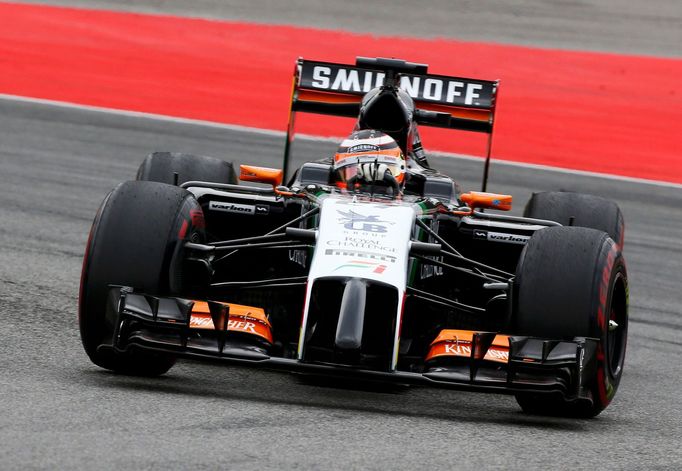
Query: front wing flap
{"x": 534, "y": 365}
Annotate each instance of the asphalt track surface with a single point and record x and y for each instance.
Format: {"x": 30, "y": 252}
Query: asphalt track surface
{"x": 60, "y": 411}
{"x": 651, "y": 27}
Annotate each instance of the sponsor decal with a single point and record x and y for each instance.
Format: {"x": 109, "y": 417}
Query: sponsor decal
{"x": 183, "y": 230}
{"x": 201, "y": 322}
{"x": 351, "y": 242}
{"x": 497, "y": 354}
{"x": 363, "y": 264}
{"x": 343, "y": 79}
{"x": 206, "y": 322}
{"x": 358, "y": 222}
{"x": 243, "y": 326}
{"x": 231, "y": 207}
{"x": 359, "y": 254}
{"x": 508, "y": 238}
{"x": 479, "y": 234}
{"x": 435, "y": 88}
{"x": 464, "y": 350}
{"x": 428, "y": 271}
{"x": 363, "y": 148}
{"x": 262, "y": 209}
{"x": 235, "y": 324}
{"x": 500, "y": 237}
{"x": 197, "y": 216}
{"x": 457, "y": 343}
{"x": 298, "y": 256}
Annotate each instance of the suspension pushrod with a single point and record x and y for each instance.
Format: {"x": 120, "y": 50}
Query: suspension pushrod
{"x": 433, "y": 234}
{"x": 430, "y": 296}
{"x": 292, "y": 281}
{"x": 479, "y": 265}
{"x": 467, "y": 271}
{"x": 454, "y": 253}
{"x": 263, "y": 238}
{"x": 276, "y": 243}
{"x": 300, "y": 218}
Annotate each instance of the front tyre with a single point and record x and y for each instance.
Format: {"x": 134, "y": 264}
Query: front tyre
{"x": 136, "y": 240}
{"x": 572, "y": 282}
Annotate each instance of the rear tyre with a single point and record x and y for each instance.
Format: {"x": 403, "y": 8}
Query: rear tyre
{"x": 572, "y": 282}
{"x": 162, "y": 167}
{"x": 578, "y": 209}
{"x": 136, "y": 240}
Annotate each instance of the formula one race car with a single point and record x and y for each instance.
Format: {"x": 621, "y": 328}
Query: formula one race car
{"x": 368, "y": 265}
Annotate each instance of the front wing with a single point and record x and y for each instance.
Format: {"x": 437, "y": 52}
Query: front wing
{"x": 538, "y": 366}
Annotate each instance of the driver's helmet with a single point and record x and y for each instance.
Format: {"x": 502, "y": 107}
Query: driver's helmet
{"x": 369, "y": 156}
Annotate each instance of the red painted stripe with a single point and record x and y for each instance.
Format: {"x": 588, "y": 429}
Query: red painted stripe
{"x": 597, "y": 112}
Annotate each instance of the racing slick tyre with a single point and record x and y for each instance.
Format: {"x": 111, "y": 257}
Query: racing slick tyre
{"x": 136, "y": 240}
{"x": 162, "y": 167}
{"x": 572, "y": 282}
{"x": 578, "y": 209}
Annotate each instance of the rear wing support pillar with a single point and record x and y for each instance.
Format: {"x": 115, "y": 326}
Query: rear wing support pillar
{"x": 290, "y": 127}
{"x": 486, "y": 166}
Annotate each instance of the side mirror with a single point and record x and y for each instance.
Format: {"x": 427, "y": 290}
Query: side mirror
{"x": 477, "y": 199}
{"x": 250, "y": 173}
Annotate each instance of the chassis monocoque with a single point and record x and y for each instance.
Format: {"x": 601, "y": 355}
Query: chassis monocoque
{"x": 425, "y": 289}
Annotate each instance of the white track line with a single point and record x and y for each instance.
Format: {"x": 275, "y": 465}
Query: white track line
{"x": 273, "y": 133}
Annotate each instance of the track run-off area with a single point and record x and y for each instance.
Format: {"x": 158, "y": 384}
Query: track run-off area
{"x": 57, "y": 162}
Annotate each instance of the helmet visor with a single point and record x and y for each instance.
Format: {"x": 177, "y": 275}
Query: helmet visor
{"x": 347, "y": 168}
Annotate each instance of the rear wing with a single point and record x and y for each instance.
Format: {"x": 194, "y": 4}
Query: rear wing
{"x": 441, "y": 101}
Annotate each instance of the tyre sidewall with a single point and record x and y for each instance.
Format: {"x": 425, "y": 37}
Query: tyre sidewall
{"x": 148, "y": 256}
{"x": 585, "y": 289}
{"x": 611, "y": 271}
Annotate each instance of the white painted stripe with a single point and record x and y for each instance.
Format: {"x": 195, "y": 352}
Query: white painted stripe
{"x": 378, "y": 141}
{"x": 308, "y": 137}
{"x": 139, "y": 114}
{"x": 548, "y": 168}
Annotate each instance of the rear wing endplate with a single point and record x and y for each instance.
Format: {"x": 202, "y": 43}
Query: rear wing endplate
{"x": 442, "y": 101}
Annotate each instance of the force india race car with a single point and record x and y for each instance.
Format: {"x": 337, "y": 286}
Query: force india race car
{"x": 418, "y": 284}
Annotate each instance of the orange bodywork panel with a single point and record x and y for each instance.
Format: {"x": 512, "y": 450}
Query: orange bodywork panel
{"x": 458, "y": 112}
{"x": 251, "y": 173}
{"x": 478, "y": 199}
{"x": 244, "y": 319}
{"x": 317, "y": 96}
{"x": 457, "y": 343}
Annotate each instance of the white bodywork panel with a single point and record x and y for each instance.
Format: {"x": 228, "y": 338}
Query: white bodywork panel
{"x": 365, "y": 240}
